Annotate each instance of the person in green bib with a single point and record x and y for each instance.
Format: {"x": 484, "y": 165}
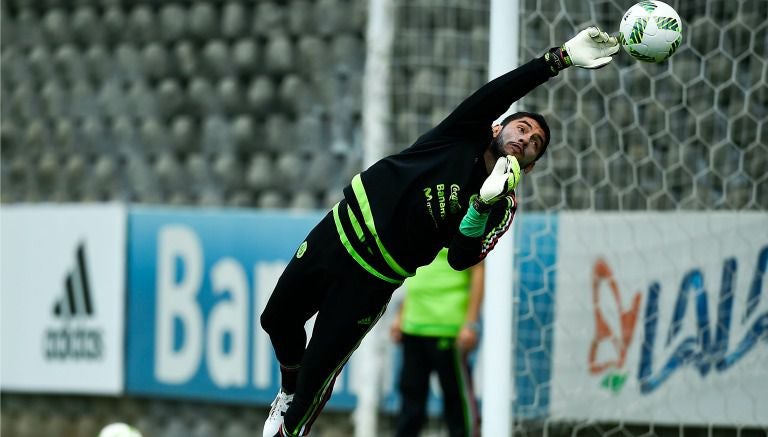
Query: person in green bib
{"x": 437, "y": 326}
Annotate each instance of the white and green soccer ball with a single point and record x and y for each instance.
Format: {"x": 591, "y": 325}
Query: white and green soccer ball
{"x": 651, "y": 31}
{"x": 119, "y": 430}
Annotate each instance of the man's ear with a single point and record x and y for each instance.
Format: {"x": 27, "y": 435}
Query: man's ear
{"x": 528, "y": 168}
{"x": 495, "y": 129}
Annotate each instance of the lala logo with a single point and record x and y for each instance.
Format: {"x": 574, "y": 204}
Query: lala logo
{"x": 715, "y": 346}
{"x": 605, "y": 337}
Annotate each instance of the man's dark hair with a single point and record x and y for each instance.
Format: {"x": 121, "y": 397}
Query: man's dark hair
{"x": 539, "y": 119}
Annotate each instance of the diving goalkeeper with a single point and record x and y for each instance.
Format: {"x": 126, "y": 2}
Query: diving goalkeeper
{"x": 454, "y": 188}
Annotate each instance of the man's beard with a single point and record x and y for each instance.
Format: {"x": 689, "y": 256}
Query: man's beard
{"x": 497, "y": 147}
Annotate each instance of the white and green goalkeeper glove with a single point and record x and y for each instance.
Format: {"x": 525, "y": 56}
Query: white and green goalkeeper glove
{"x": 590, "y": 48}
{"x": 503, "y": 179}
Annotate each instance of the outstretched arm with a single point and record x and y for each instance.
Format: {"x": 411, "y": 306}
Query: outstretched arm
{"x": 590, "y": 48}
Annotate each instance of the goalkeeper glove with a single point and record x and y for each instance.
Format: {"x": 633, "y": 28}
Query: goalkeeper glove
{"x": 590, "y": 48}
{"x": 503, "y": 179}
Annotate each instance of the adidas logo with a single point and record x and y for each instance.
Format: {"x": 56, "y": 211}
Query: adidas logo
{"x": 74, "y": 340}
{"x": 76, "y": 301}
{"x": 364, "y": 321}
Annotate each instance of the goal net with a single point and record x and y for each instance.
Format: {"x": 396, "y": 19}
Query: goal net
{"x": 642, "y": 246}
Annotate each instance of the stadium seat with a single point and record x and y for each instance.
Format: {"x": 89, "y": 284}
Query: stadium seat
{"x": 103, "y": 173}
{"x": 98, "y": 63}
{"x": 301, "y": 18}
{"x": 210, "y": 196}
{"x": 244, "y": 134}
{"x": 348, "y": 53}
{"x": 311, "y": 134}
{"x": 460, "y": 83}
{"x": 290, "y": 170}
{"x": 245, "y": 57}
{"x": 236, "y": 429}
{"x": 226, "y": 171}
{"x": 87, "y": 27}
{"x": 155, "y": 61}
{"x": 41, "y": 66}
{"x": 172, "y": 22}
{"x": 55, "y": 101}
{"x": 56, "y": 27}
{"x": 93, "y": 134}
{"x": 201, "y": 97}
{"x": 184, "y": 134}
{"x": 140, "y": 179}
{"x": 240, "y": 198}
{"x": 111, "y": 99}
{"x": 16, "y": 175}
{"x": 82, "y": 99}
{"x": 64, "y": 135}
{"x": 175, "y": 427}
{"x": 303, "y": 200}
{"x": 196, "y": 169}
{"x": 47, "y": 172}
{"x": 170, "y": 99}
{"x": 203, "y": 22}
{"x": 291, "y": 92}
{"x": 230, "y": 96}
{"x": 29, "y": 28}
{"x": 179, "y": 198}
{"x": 141, "y": 101}
{"x": 8, "y": 31}
{"x": 124, "y": 135}
{"x": 311, "y": 56}
{"x": 267, "y": 17}
{"x": 321, "y": 171}
{"x": 75, "y": 172}
{"x": 216, "y": 136}
{"x": 169, "y": 173}
{"x": 28, "y": 424}
{"x": 261, "y": 95}
{"x": 142, "y": 25}
{"x": 258, "y": 175}
{"x": 331, "y": 197}
{"x": 128, "y": 63}
{"x": 278, "y": 132}
{"x": 25, "y": 103}
{"x": 114, "y": 24}
{"x": 203, "y": 427}
{"x": 270, "y": 199}
{"x": 37, "y": 137}
{"x": 10, "y": 137}
{"x": 423, "y": 89}
{"x": 216, "y": 59}
{"x": 335, "y": 19}
{"x": 279, "y": 53}
{"x": 186, "y": 59}
{"x": 234, "y": 20}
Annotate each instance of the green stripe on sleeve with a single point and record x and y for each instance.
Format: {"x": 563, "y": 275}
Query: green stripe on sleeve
{"x": 355, "y": 225}
{"x": 365, "y": 208}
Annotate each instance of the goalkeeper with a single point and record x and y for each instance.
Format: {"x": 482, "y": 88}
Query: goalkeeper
{"x": 396, "y": 216}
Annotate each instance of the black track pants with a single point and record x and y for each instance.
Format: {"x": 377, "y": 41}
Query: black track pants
{"x": 422, "y": 356}
{"x": 349, "y": 301}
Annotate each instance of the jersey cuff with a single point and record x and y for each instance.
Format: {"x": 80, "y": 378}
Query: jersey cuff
{"x": 473, "y": 223}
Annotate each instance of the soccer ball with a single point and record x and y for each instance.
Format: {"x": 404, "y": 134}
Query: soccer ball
{"x": 119, "y": 430}
{"x": 651, "y": 31}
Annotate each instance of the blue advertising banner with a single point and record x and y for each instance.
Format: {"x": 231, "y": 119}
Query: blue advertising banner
{"x": 197, "y": 283}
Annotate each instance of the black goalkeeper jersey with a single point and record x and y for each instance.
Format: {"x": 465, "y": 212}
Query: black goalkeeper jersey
{"x": 402, "y": 210}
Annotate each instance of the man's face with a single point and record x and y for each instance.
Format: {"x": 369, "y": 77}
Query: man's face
{"x": 522, "y": 138}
